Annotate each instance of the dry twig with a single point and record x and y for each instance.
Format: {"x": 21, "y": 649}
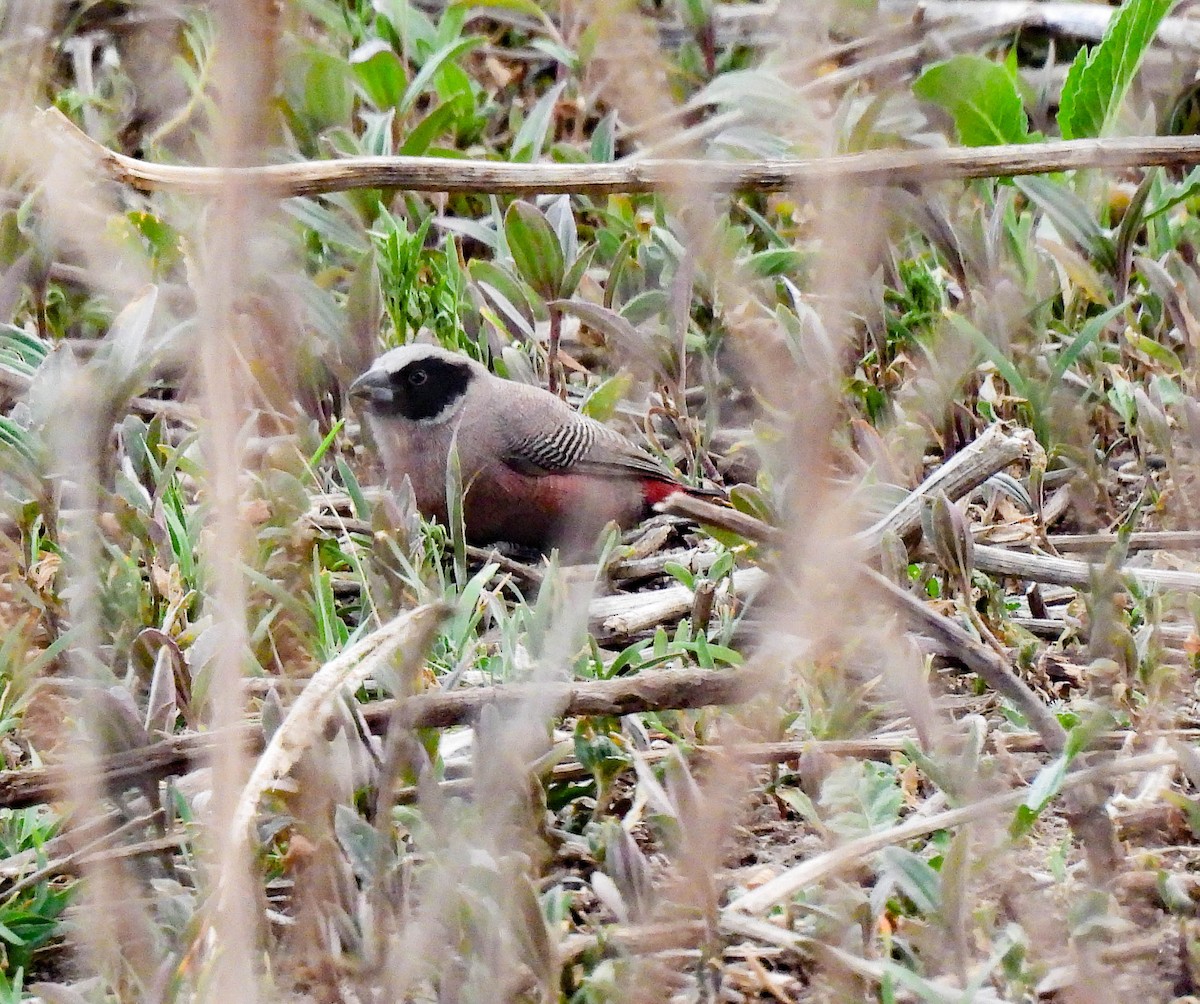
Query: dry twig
{"x": 432, "y": 174}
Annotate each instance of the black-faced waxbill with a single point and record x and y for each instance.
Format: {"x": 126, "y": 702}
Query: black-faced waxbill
{"x": 534, "y": 471}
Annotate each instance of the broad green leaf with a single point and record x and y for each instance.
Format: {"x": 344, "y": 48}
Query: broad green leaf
{"x": 453, "y": 83}
{"x": 982, "y": 98}
{"x": 360, "y": 841}
{"x": 1168, "y": 391}
{"x": 576, "y": 272}
{"x": 450, "y": 24}
{"x": 380, "y": 73}
{"x": 130, "y": 333}
{"x": 603, "y": 401}
{"x": 1099, "y": 78}
{"x": 162, "y": 238}
{"x": 646, "y": 305}
{"x": 20, "y": 351}
{"x": 477, "y": 231}
{"x": 697, "y": 13}
{"x": 327, "y": 97}
{"x": 6, "y": 934}
{"x": 758, "y": 90}
{"x": 1156, "y": 351}
{"x": 751, "y": 500}
{"x": 362, "y": 508}
{"x": 535, "y": 249}
{"x": 19, "y": 443}
{"x": 913, "y": 876}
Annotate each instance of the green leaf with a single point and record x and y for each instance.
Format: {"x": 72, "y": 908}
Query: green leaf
{"x": 603, "y": 147}
{"x": 1091, "y": 331}
{"x": 535, "y": 249}
{"x": 559, "y": 53}
{"x": 330, "y": 226}
{"x": 603, "y": 401}
{"x": 455, "y": 512}
{"x": 505, "y": 290}
{"x": 433, "y": 125}
{"x": 162, "y": 238}
{"x": 646, "y": 305}
{"x": 982, "y": 98}
{"x": 323, "y": 448}
{"x": 380, "y": 73}
{"x": 560, "y": 216}
{"x": 527, "y": 7}
{"x": 1071, "y": 217}
{"x": 327, "y": 97}
{"x": 361, "y": 843}
{"x": 1045, "y": 786}
{"x": 1158, "y": 352}
{"x": 681, "y": 573}
{"x": 1172, "y": 195}
{"x": 578, "y": 267}
{"x": 530, "y": 139}
{"x": 776, "y": 261}
{"x": 6, "y": 934}
{"x": 609, "y": 323}
{"x": 1099, "y": 78}
{"x": 446, "y": 54}
{"x": 129, "y": 343}
{"x": 1012, "y": 376}
{"x": 362, "y": 508}
{"x": 913, "y": 876}
{"x": 450, "y": 24}
{"x": 412, "y": 27}
{"x": 752, "y": 501}
{"x": 21, "y": 353}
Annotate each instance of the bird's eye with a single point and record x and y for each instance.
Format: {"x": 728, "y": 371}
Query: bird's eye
{"x": 417, "y": 377}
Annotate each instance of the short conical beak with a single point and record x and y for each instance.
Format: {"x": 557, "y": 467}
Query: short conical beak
{"x": 372, "y": 386}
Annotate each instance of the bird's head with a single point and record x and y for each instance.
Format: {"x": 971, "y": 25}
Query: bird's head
{"x": 420, "y": 383}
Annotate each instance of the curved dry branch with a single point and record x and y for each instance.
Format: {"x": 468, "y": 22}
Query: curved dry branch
{"x": 662, "y": 690}
{"x": 433, "y": 174}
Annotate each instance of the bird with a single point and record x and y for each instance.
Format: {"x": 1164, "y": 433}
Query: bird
{"x": 534, "y": 471}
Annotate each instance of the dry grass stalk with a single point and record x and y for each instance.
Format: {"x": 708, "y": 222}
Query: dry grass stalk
{"x": 409, "y": 634}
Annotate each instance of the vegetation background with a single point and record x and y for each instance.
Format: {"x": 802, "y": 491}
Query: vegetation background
{"x": 913, "y": 719}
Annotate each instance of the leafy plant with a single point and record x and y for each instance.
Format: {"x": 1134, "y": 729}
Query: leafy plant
{"x": 982, "y": 98}
{"x": 1099, "y": 78}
